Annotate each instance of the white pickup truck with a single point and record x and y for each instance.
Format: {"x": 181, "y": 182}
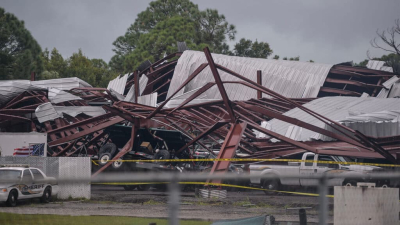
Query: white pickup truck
{"x": 310, "y": 169}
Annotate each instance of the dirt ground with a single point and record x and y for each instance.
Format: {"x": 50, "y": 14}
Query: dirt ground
{"x": 115, "y": 201}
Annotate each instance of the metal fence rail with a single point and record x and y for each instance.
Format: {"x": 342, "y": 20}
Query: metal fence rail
{"x": 173, "y": 180}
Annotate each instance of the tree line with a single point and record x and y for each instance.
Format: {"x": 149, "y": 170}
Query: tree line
{"x": 153, "y": 35}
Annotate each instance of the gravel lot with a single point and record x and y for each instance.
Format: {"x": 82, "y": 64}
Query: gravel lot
{"x": 115, "y": 201}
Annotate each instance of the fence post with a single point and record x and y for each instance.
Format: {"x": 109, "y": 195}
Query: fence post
{"x": 174, "y": 199}
{"x": 323, "y": 201}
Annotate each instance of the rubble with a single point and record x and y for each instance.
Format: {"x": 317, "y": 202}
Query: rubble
{"x": 226, "y": 106}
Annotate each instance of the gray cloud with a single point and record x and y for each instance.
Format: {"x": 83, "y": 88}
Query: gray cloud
{"x": 325, "y": 31}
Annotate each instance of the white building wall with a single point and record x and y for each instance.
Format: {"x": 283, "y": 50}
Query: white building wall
{"x": 11, "y": 141}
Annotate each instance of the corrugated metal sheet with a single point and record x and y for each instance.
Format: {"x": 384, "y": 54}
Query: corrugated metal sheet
{"x": 150, "y": 99}
{"x": 130, "y": 97}
{"x": 335, "y": 108}
{"x": 378, "y": 65}
{"x": 118, "y": 84}
{"x": 61, "y": 83}
{"x": 289, "y": 78}
{"x": 395, "y": 91}
{"x": 47, "y": 111}
{"x": 376, "y": 124}
{"x": 11, "y": 88}
{"x": 392, "y": 88}
{"x": 57, "y": 96}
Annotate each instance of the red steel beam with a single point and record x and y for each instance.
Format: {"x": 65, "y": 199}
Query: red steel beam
{"x": 220, "y": 85}
{"x": 86, "y": 132}
{"x": 228, "y": 149}
{"x": 259, "y": 81}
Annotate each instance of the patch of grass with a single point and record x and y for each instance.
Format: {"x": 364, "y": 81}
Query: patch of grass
{"x": 241, "y": 203}
{"x": 22, "y": 219}
{"x": 209, "y": 203}
{"x": 152, "y": 202}
{"x": 264, "y": 205}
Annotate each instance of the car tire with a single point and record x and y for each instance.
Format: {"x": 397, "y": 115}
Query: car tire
{"x": 271, "y": 185}
{"x": 110, "y": 148}
{"x": 12, "y": 198}
{"x": 143, "y": 187}
{"x": 350, "y": 183}
{"x": 117, "y": 164}
{"x": 129, "y": 187}
{"x": 46, "y": 195}
{"x": 162, "y": 154}
{"x": 104, "y": 158}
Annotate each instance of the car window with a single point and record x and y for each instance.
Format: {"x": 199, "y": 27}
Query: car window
{"x": 37, "y": 175}
{"x": 309, "y": 157}
{"x": 27, "y": 177}
{"x": 324, "y": 158}
{"x": 10, "y": 174}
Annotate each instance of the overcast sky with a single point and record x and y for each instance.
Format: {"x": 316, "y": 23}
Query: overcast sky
{"x": 330, "y": 31}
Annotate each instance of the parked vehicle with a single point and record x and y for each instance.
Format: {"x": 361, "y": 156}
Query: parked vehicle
{"x": 149, "y": 144}
{"x": 23, "y": 182}
{"x": 311, "y": 170}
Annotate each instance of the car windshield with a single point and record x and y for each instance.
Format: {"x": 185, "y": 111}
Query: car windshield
{"x": 343, "y": 159}
{"x": 10, "y": 174}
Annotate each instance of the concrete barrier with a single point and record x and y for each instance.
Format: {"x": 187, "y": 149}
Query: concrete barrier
{"x": 366, "y": 206}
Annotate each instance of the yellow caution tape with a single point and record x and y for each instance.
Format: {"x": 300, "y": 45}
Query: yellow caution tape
{"x": 257, "y": 160}
{"x": 218, "y": 184}
{"x": 94, "y": 162}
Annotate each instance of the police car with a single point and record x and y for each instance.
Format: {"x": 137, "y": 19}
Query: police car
{"x": 24, "y": 182}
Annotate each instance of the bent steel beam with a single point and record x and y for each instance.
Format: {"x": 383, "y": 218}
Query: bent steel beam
{"x": 228, "y": 149}
{"x": 220, "y": 85}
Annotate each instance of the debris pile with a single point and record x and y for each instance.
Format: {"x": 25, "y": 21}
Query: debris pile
{"x": 223, "y": 107}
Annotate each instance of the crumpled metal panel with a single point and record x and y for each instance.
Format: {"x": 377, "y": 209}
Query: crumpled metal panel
{"x": 334, "y": 108}
{"x": 149, "y": 100}
{"x": 130, "y": 97}
{"x": 378, "y": 65}
{"x": 11, "y": 88}
{"x": 289, "y": 78}
{"x": 47, "y": 111}
{"x": 62, "y": 83}
{"x": 376, "y": 124}
{"x": 118, "y": 84}
{"x": 58, "y": 96}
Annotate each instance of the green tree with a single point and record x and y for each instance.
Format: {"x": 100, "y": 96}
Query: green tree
{"x": 206, "y": 27}
{"x": 392, "y": 60}
{"x": 297, "y": 58}
{"x": 20, "y": 54}
{"x": 276, "y": 57}
{"x": 248, "y": 48}
{"x": 162, "y": 41}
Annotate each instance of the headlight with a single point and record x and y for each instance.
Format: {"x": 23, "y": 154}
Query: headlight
{"x": 4, "y": 190}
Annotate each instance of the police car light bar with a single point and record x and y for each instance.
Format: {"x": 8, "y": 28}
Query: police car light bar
{"x": 15, "y": 165}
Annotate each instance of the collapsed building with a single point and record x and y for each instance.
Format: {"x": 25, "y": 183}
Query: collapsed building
{"x": 225, "y": 106}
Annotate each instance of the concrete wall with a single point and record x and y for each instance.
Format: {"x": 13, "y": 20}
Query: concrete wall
{"x": 366, "y": 206}
{"x": 11, "y": 141}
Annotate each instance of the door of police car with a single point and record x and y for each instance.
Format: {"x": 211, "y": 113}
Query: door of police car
{"x": 26, "y": 183}
{"x": 38, "y": 182}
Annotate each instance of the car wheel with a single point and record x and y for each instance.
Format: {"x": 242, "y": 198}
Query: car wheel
{"x": 117, "y": 164}
{"x": 350, "y": 183}
{"x": 110, "y": 148}
{"x": 270, "y": 186}
{"x": 129, "y": 187}
{"x": 104, "y": 158}
{"x": 162, "y": 154}
{"x": 12, "y": 198}
{"x": 46, "y": 195}
{"x": 143, "y": 187}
